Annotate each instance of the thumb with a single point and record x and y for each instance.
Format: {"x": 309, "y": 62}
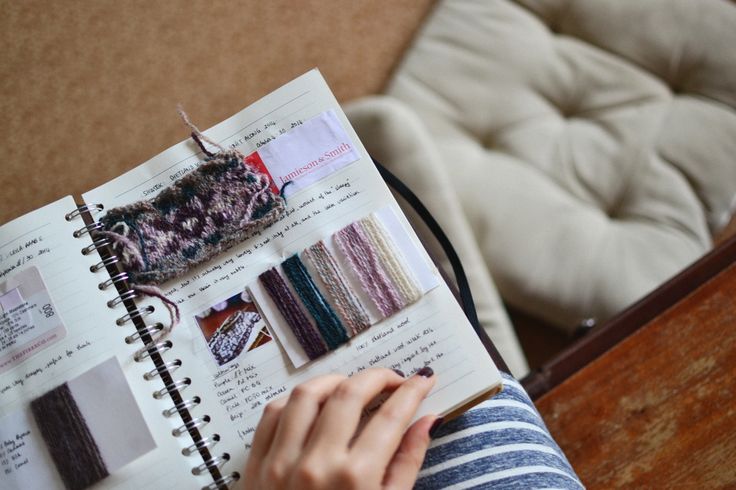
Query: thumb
{"x": 403, "y": 469}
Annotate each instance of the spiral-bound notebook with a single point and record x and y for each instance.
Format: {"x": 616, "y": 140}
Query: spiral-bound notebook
{"x": 94, "y": 393}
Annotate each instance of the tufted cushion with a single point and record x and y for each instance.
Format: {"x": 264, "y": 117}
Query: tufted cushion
{"x": 591, "y": 144}
{"x": 396, "y": 137}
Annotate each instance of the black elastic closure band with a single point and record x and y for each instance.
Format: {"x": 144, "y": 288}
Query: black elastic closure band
{"x": 466, "y": 296}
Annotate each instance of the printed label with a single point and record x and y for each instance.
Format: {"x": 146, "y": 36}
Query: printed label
{"x": 308, "y": 153}
{"x": 29, "y": 321}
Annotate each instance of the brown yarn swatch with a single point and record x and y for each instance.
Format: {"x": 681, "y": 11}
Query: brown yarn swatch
{"x": 68, "y": 439}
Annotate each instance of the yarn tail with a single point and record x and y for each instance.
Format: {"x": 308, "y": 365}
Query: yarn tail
{"x": 155, "y": 292}
{"x": 196, "y": 134}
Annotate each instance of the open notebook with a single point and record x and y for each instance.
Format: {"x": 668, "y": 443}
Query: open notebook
{"x": 181, "y": 411}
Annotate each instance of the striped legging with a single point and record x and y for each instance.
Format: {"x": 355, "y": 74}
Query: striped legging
{"x": 501, "y": 443}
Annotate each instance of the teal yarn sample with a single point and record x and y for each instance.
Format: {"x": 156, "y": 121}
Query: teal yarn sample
{"x": 332, "y": 330}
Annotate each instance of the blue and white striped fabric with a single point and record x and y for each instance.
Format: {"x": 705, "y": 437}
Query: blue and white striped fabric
{"x": 501, "y": 443}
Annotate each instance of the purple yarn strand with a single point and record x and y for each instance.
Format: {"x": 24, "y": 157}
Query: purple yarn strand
{"x": 374, "y": 280}
{"x": 303, "y": 330}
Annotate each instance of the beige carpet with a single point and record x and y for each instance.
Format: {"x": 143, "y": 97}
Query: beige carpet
{"x": 88, "y": 89}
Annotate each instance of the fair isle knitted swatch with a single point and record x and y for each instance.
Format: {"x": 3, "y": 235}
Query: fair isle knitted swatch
{"x": 218, "y": 205}
{"x": 329, "y": 325}
{"x": 68, "y": 439}
{"x": 347, "y": 305}
{"x": 298, "y": 322}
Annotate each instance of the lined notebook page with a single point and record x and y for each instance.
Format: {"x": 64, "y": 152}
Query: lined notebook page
{"x": 432, "y": 331}
{"x": 43, "y": 240}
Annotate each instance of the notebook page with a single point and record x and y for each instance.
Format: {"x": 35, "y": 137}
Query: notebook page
{"x": 44, "y": 277}
{"x": 432, "y": 331}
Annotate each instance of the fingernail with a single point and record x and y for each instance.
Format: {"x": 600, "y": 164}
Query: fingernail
{"x": 399, "y": 372}
{"x": 436, "y": 425}
{"x": 426, "y": 371}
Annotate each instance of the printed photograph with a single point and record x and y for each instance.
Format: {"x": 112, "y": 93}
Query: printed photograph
{"x": 233, "y": 327}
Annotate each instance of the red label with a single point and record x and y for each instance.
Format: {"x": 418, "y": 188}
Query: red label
{"x": 254, "y": 160}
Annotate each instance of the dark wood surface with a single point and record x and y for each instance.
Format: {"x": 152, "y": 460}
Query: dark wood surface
{"x": 658, "y": 410}
{"x": 605, "y": 336}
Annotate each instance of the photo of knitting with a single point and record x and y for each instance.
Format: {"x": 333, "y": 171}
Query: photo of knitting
{"x": 232, "y": 327}
{"x": 318, "y": 299}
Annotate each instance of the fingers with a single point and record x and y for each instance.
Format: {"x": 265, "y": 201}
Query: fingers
{"x": 382, "y": 435}
{"x": 299, "y": 414}
{"x": 403, "y": 469}
{"x": 341, "y": 414}
{"x": 309, "y": 436}
{"x": 263, "y": 436}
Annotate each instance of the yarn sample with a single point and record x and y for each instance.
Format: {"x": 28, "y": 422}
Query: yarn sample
{"x": 327, "y": 289}
{"x": 390, "y": 258}
{"x": 330, "y": 326}
{"x": 303, "y": 330}
{"x": 363, "y": 258}
{"x": 68, "y": 439}
{"x": 221, "y": 203}
{"x": 232, "y": 336}
{"x": 347, "y": 305}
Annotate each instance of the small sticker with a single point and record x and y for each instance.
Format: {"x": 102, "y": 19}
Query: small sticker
{"x": 232, "y": 328}
{"x": 29, "y": 321}
{"x": 308, "y": 153}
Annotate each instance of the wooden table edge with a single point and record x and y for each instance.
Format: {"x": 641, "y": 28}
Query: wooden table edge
{"x": 604, "y": 337}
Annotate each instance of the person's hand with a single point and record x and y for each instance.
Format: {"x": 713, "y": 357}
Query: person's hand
{"x": 309, "y": 440}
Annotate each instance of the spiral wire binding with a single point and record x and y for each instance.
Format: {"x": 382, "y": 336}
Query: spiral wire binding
{"x": 87, "y": 229}
{"x": 170, "y": 366}
{"x": 151, "y": 330}
{"x": 138, "y": 313}
{"x": 206, "y": 442}
{"x": 96, "y": 245}
{"x": 104, "y": 264}
{"x": 192, "y": 402}
{"x": 154, "y": 347}
{"x": 91, "y": 209}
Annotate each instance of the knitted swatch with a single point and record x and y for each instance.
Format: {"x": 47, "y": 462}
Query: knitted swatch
{"x": 219, "y": 204}
{"x": 324, "y": 316}
{"x": 347, "y": 305}
{"x": 303, "y": 330}
{"x": 232, "y": 336}
{"x": 68, "y": 439}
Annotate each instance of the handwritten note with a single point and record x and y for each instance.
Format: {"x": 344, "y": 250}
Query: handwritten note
{"x": 22, "y": 250}
{"x": 34, "y": 370}
{"x": 243, "y": 389}
{"x": 24, "y": 460}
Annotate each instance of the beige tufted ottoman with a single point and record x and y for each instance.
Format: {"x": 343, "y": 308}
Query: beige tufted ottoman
{"x": 581, "y": 151}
